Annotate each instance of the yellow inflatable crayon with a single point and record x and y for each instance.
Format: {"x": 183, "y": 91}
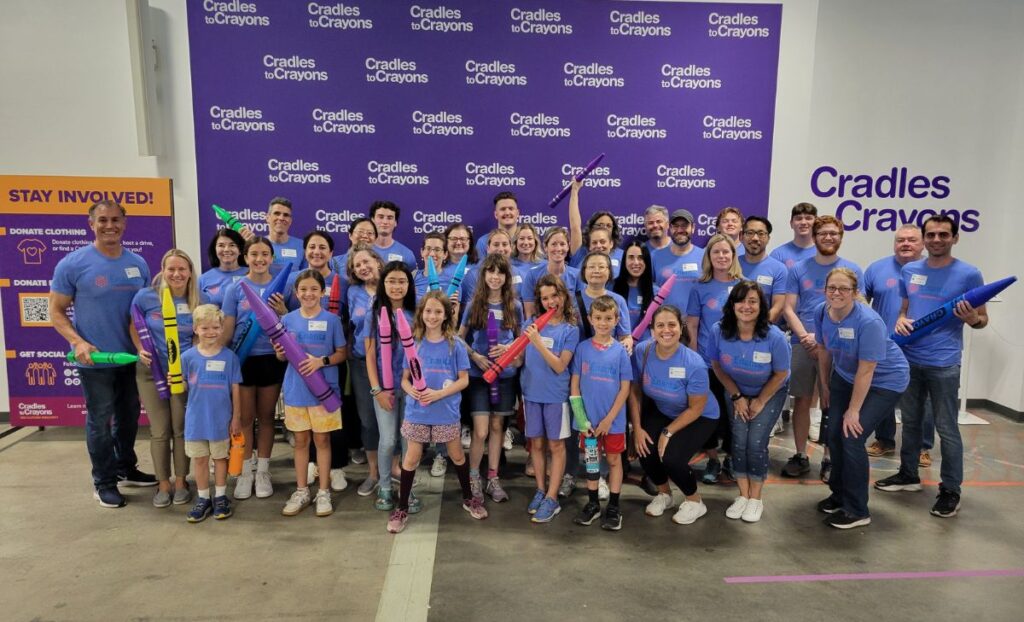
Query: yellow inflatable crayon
{"x": 173, "y": 349}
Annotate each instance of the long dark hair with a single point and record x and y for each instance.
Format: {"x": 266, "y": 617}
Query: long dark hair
{"x": 382, "y": 300}
{"x": 476, "y": 318}
{"x": 645, "y": 284}
{"x": 615, "y": 234}
{"x": 730, "y": 327}
{"x": 234, "y": 236}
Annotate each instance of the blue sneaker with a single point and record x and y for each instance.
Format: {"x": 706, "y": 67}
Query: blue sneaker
{"x": 109, "y": 498}
{"x": 199, "y": 511}
{"x": 538, "y": 498}
{"x": 548, "y": 509}
{"x": 221, "y": 508}
{"x": 415, "y": 504}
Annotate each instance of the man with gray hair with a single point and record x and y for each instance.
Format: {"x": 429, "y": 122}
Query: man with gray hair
{"x": 656, "y": 226}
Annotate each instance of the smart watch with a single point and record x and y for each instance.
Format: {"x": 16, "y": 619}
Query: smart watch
{"x": 666, "y": 433}
{"x": 326, "y": 360}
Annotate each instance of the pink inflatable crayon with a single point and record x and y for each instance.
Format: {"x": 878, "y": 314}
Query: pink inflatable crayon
{"x": 387, "y": 381}
{"x": 659, "y": 299}
{"x": 564, "y": 192}
{"x": 412, "y": 360}
{"x": 159, "y": 377}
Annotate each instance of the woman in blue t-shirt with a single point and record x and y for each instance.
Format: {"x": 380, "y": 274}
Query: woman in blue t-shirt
{"x": 227, "y": 265}
{"x": 750, "y": 358}
{"x": 863, "y": 373}
{"x": 671, "y": 392}
{"x": 635, "y": 283}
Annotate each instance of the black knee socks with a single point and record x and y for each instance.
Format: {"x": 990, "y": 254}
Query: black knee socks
{"x": 405, "y": 489}
{"x": 462, "y": 470}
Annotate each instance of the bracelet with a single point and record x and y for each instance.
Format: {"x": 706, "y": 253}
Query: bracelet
{"x": 375, "y": 390}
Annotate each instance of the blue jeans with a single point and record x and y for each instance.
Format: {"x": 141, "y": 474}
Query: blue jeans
{"x": 111, "y": 421}
{"x": 389, "y": 422}
{"x": 886, "y": 431}
{"x": 942, "y": 385}
{"x": 364, "y": 403}
{"x": 750, "y": 438}
{"x": 850, "y": 466}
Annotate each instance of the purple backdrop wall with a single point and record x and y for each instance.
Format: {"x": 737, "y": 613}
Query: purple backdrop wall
{"x": 438, "y": 107}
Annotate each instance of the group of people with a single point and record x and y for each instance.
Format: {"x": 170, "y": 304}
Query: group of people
{"x": 736, "y": 331}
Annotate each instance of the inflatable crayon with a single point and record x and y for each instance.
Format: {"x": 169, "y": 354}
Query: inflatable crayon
{"x": 433, "y": 283}
{"x": 155, "y": 368}
{"x": 108, "y": 358}
{"x": 457, "y": 276}
{"x": 492, "y": 340}
{"x": 228, "y": 219}
{"x": 938, "y": 317}
{"x": 387, "y": 381}
{"x": 174, "y": 379}
{"x": 659, "y": 299}
{"x": 251, "y": 330}
{"x": 564, "y": 192}
{"x": 516, "y": 348}
{"x": 412, "y": 360}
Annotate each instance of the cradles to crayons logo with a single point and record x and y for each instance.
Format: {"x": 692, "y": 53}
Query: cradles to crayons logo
{"x": 538, "y": 22}
{"x": 637, "y": 24}
{"x": 493, "y": 73}
{"x": 495, "y": 174}
{"x": 342, "y": 121}
{"x": 736, "y": 26}
{"x": 686, "y": 177}
{"x": 429, "y": 222}
{"x": 241, "y": 119}
{"x": 394, "y": 71}
{"x": 440, "y": 123}
{"x": 691, "y": 77}
{"x": 397, "y": 173}
{"x": 635, "y": 126}
{"x": 729, "y": 128}
{"x": 438, "y": 19}
{"x": 293, "y": 68}
{"x": 898, "y": 183}
{"x": 337, "y": 16}
{"x": 296, "y": 172}
{"x": 537, "y": 125}
{"x": 592, "y": 76}
{"x": 600, "y": 177}
{"x": 233, "y": 13}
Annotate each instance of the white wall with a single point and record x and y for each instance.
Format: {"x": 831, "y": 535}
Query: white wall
{"x": 851, "y": 74}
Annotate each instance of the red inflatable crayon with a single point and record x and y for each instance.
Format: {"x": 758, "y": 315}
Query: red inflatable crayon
{"x": 516, "y": 348}
{"x": 334, "y": 300}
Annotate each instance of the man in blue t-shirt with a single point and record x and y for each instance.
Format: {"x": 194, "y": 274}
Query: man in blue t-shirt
{"x": 757, "y": 266}
{"x": 506, "y": 216}
{"x": 385, "y": 217}
{"x": 935, "y": 360}
{"x": 287, "y": 249}
{"x": 682, "y": 257}
{"x": 801, "y": 219}
{"x": 99, "y": 281}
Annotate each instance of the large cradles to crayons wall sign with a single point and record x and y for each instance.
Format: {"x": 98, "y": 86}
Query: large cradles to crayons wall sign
{"x": 44, "y": 219}
{"x": 438, "y": 106}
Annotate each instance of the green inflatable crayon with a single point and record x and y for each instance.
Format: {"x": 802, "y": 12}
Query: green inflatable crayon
{"x": 227, "y": 218}
{"x": 579, "y": 413}
{"x": 110, "y": 358}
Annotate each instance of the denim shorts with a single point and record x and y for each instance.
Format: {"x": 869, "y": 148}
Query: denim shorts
{"x": 478, "y": 397}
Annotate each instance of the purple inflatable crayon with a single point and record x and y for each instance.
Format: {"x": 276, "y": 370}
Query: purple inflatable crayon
{"x": 934, "y": 319}
{"x": 659, "y": 299}
{"x": 412, "y": 360}
{"x": 159, "y": 377}
{"x": 387, "y": 381}
{"x": 492, "y": 340}
{"x": 564, "y": 192}
{"x": 271, "y": 325}
{"x": 457, "y": 276}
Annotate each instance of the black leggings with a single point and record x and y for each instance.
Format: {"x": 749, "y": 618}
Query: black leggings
{"x": 722, "y": 431}
{"x": 683, "y": 445}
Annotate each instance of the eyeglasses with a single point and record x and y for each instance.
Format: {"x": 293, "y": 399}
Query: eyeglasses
{"x": 835, "y": 289}
{"x": 750, "y": 233}
{"x": 433, "y": 249}
{"x": 458, "y": 238}
{"x": 829, "y": 234}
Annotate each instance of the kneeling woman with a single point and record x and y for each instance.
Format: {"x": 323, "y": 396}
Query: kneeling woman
{"x": 677, "y": 416}
{"x": 863, "y": 373}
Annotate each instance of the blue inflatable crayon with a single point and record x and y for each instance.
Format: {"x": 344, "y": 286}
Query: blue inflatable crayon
{"x": 433, "y": 283}
{"x": 460, "y": 272}
{"x": 934, "y": 319}
{"x": 251, "y": 330}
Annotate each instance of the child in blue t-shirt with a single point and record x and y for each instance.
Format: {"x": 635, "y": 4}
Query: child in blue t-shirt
{"x": 441, "y": 367}
{"x": 602, "y": 375}
{"x": 212, "y": 374}
{"x": 320, "y": 334}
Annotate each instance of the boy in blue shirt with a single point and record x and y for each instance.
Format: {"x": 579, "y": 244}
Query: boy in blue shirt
{"x": 602, "y": 374}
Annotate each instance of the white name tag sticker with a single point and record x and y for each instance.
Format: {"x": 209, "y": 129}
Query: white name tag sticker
{"x": 846, "y": 333}
{"x": 182, "y": 307}
{"x": 394, "y": 257}
{"x": 235, "y": 278}
{"x": 728, "y": 290}
{"x": 516, "y": 279}
{"x": 690, "y": 267}
{"x": 289, "y": 252}
{"x": 132, "y": 273}
{"x": 764, "y": 279}
{"x": 677, "y": 372}
{"x": 215, "y": 365}
{"x": 615, "y": 263}
{"x": 498, "y": 314}
{"x": 639, "y": 299}
{"x": 549, "y": 342}
{"x": 918, "y": 279}
{"x": 317, "y": 326}
{"x": 762, "y": 357}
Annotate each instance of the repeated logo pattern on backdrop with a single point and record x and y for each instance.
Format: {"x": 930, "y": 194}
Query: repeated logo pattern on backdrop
{"x": 438, "y": 106}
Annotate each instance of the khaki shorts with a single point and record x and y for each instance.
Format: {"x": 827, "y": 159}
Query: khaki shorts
{"x": 218, "y": 450}
{"x": 315, "y": 418}
{"x": 803, "y": 374}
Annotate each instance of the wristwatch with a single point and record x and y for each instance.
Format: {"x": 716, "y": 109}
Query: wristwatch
{"x": 375, "y": 390}
{"x": 326, "y": 360}
{"x": 735, "y": 396}
{"x": 666, "y": 433}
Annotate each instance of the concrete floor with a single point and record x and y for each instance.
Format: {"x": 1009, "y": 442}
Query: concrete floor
{"x": 64, "y": 558}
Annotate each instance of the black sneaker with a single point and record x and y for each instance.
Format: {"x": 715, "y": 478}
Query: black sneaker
{"x": 712, "y": 471}
{"x": 135, "y": 477}
{"x": 648, "y": 486}
{"x": 796, "y": 466}
{"x": 588, "y": 514}
{"x": 898, "y": 482}
{"x": 612, "y": 520}
{"x": 829, "y": 505}
{"x": 842, "y": 520}
{"x": 826, "y": 470}
{"x": 110, "y": 498}
{"x": 947, "y": 504}
{"x": 726, "y": 476}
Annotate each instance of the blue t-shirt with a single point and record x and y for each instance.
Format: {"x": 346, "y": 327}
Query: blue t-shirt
{"x": 360, "y": 306}
{"x": 750, "y": 364}
{"x": 862, "y": 336}
{"x": 576, "y": 261}
{"x": 769, "y": 273}
{"x": 477, "y": 339}
{"x": 291, "y": 299}
{"x": 707, "y": 304}
{"x": 214, "y": 283}
{"x": 397, "y": 252}
{"x": 601, "y": 371}
{"x": 288, "y": 252}
{"x": 319, "y": 336}
{"x": 472, "y": 278}
{"x": 422, "y": 283}
{"x": 635, "y": 302}
{"x": 807, "y": 280}
{"x": 882, "y": 288}
{"x": 928, "y": 289}
{"x": 370, "y": 328}
{"x": 571, "y": 279}
{"x": 151, "y": 306}
{"x": 441, "y": 362}
{"x": 670, "y": 382}
{"x": 790, "y": 254}
{"x": 687, "y": 270}
{"x": 526, "y": 266}
{"x": 237, "y": 306}
{"x": 540, "y": 383}
{"x": 208, "y": 409}
{"x": 624, "y": 327}
{"x": 102, "y": 290}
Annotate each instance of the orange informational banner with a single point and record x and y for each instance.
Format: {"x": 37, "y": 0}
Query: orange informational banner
{"x": 36, "y": 194}
{"x": 42, "y": 219}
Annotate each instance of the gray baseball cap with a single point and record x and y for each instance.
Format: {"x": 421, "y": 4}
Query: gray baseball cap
{"x": 682, "y": 213}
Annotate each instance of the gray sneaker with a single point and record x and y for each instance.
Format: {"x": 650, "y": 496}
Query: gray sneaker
{"x": 796, "y": 466}
{"x": 494, "y": 489}
{"x": 182, "y": 495}
{"x": 161, "y": 499}
{"x": 476, "y": 486}
{"x": 568, "y": 486}
{"x": 367, "y": 487}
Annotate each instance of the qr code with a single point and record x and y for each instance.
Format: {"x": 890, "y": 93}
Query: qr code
{"x": 35, "y": 310}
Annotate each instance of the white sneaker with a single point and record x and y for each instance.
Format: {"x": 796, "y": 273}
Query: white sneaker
{"x": 661, "y": 502}
{"x": 311, "y": 473}
{"x": 439, "y": 467}
{"x": 264, "y": 487}
{"x": 752, "y": 513}
{"x": 735, "y": 510}
{"x": 467, "y": 437}
{"x": 243, "y": 485}
{"x": 338, "y": 481}
{"x": 323, "y": 503}
{"x": 689, "y": 512}
{"x": 289, "y": 437}
{"x": 602, "y": 490}
{"x": 296, "y": 503}
{"x": 507, "y": 443}
{"x": 778, "y": 428}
